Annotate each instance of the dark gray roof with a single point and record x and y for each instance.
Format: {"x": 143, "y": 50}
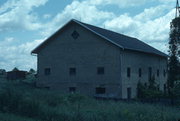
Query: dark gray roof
{"x": 122, "y": 41}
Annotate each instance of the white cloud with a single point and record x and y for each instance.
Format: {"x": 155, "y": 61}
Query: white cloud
{"x": 17, "y": 55}
{"x": 152, "y": 13}
{"x": 144, "y": 27}
{"x": 83, "y": 11}
{"x": 129, "y": 3}
{"x": 151, "y": 25}
{"x": 17, "y": 14}
{"x": 120, "y": 3}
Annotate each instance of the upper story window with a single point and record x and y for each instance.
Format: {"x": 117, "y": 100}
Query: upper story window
{"x": 140, "y": 72}
{"x": 150, "y": 73}
{"x": 157, "y": 72}
{"x": 100, "y": 70}
{"x": 47, "y": 71}
{"x": 72, "y": 71}
{"x": 128, "y": 72}
{"x": 75, "y": 34}
{"x": 164, "y": 73}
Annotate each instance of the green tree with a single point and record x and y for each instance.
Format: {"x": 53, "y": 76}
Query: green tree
{"x": 173, "y": 61}
{"x": 32, "y": 71}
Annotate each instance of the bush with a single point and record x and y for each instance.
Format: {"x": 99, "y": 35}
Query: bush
{"x": 149, "y": 91}
{"x": 10, "y": 100}
{"x": 43, "y": 105}
{"x": 29, "y": 107}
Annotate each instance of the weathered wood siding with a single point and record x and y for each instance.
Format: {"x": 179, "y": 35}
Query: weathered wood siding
{"x": 85, "y": 54}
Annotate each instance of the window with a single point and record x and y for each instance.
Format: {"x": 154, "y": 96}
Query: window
{"x": 140, "y": 72}
{"x": 164, "y": 72}
{"x": 72, "y": 71}
{"x": 72, "y": 89}
{"x": 165, "y": 88}
{"x": 100, "y": 90}
{"x": 100, "y": 70}
{"x": 47, "y": 71}
{"x": 75, "y": 34}
{"x": 149, "y": 73}
{"x": 128, "y": 72}
{"x": 129, "y": 93}
{"x": 157, "y": 72}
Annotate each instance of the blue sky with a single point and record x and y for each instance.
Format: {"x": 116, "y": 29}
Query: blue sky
{"x": 26, "y": 23}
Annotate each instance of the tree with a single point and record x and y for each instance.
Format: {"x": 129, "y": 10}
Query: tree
{"x": 173, "y": 61}
{"x": 32, "y": 71}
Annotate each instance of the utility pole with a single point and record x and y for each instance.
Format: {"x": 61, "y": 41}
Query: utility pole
{"x": 177, "y": 9}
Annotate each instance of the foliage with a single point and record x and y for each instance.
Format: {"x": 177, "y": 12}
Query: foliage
{"x": 174, "y": 52}
{"x": 20, "y": 102}
{"x": 32, "y": 71}
{"x": 176, "y": 89}
{"x": 149, "y": 91}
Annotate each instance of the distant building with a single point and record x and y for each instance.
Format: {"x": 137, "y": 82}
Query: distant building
{"x": 97, "y": 62}
{"x": 16, "y": 75}
{"x": 3, "y": 74}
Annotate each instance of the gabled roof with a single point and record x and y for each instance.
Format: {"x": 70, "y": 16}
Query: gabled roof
{"x": 122, "y": 41}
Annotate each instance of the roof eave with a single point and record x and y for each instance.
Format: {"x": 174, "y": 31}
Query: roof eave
{"x": 36, "y": 50}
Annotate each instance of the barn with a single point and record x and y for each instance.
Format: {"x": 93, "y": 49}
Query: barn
{"x": 97, "y": 62}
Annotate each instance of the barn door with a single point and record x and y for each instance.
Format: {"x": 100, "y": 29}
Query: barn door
{"x": 128, "y": 93}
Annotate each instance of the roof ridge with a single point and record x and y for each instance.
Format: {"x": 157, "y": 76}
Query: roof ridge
{"x": 153, "y": 50}
{"x": 118, "y": 39}
{"x": 103, "y": 29}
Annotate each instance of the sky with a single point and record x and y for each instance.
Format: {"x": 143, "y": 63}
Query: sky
{"x": 24, "y": 24}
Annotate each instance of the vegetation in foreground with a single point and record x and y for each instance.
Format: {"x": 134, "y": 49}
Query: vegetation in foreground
{"x": 21, "y": 102}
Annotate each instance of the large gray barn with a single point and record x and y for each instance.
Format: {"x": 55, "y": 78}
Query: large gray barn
{"x": 97, "y": 62}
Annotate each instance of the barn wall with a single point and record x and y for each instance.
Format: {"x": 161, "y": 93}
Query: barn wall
{"x": 85, "y": 53}
{"x": 88, "y": 52}
{"x": 135, "y": 60}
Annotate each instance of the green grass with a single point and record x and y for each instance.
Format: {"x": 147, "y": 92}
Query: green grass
{"x": 21, "y": 102}
{"x": 12, "y": 117}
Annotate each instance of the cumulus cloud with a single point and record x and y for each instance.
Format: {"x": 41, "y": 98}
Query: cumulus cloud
{"x": 17, "y": 14}
{"x": 128, "y": 3}
{"x": 120, "y": 3}
{"x": 83, "y": 11}
{"x": 13, "y": 55}
{"x": 150, "y": 26}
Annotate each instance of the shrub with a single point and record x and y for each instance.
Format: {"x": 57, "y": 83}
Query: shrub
{"x": 10, "y": 100}
{"x": 29, "y": 107}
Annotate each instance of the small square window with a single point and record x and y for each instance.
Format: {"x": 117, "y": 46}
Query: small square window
{"x": 164, "y": 73}
{"x": 72, "y": 89}
{"x": 128, "y": 72}
{"x": 75, "y": 34}
{"x": 140, "y": 72}
{"x": 157, "y": 72}
{"x": 165, "y": 88}
{"x": 150, "y": 73}
{"x": 47, "y": 71}
{"x": 72, "y": 71}
{"x": 100, "y": 90}
{"x": 100, "y": 70}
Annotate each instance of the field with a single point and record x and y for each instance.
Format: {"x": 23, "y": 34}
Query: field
{"x": 23, "y": 102}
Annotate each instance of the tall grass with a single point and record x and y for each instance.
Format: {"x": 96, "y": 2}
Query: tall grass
{"x": 25, "y": 103}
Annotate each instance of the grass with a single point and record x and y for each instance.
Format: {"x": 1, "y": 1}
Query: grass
{"x": 22, "y": 102}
